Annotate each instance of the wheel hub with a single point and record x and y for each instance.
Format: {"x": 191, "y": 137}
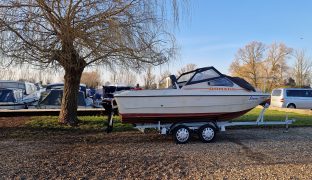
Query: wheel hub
{"x": 208, "y": 133}
{"x": 182, "y": 135}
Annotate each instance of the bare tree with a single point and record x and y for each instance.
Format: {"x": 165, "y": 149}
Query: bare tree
{"x": 74, "y": 34}
{"x": 163, "y": 80}
{"x": 187, "y": 68}
{"x": 248, "y": 62}
{"x": 275, "y": 66}
{"x": 122, "y": 75}
{"x": 2, "y": 74}
{"x": 114, "y": 78}
{"x": 8, "y": 74}
{"x": 91, "y": 79}
{"x": 130, "y": 77}
{"x": 302, "y": 68}
{"x": 149, "y": 79}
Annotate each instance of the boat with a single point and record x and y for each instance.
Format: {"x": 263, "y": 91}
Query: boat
{"x": 52, "y": 99}
{"x": 30, "y": 92}
{"x": 201, "y": 95}
{"x": 108, "y": 95}
{"x": 82, "y": 87}
{"x": 11, "y": 99}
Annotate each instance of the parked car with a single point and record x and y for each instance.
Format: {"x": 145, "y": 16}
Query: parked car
{"x": 299, "y": 98}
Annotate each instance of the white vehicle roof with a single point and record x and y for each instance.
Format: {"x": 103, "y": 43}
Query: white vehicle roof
{"x": 293, "y": 89}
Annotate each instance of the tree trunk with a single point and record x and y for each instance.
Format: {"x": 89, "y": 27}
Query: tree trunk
{"x": 68, "y": 113}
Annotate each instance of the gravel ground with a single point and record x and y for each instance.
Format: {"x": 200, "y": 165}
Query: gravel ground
{"x": 237, "y": 154}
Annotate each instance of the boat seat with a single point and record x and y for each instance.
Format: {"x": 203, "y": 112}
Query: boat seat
{"x": 174, "y": 82}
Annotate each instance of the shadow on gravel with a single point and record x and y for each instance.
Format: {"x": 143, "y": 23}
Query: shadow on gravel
{"x": 92, "y": 130}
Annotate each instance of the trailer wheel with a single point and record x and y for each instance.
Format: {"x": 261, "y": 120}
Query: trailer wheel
{"x": 181, "y": 134}
{"x": 207, "y": 133}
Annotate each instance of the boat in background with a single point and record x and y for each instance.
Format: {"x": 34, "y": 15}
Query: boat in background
{"x": 11, "y": 99}
{"x": 201, "y": 95}
{"x": 18, "y": 94}
{"x": 52, "y": 99}
{"x": 82, "y": 87}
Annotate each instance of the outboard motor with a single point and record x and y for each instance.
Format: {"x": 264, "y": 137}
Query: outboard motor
{"x": 109, "y": 110}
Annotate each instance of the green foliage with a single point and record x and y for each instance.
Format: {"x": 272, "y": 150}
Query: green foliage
{"x": 86, "y": 124}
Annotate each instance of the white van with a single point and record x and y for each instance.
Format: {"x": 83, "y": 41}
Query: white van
{"x": 292, "y": 98}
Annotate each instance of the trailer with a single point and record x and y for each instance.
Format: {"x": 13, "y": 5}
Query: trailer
{"x": 205, "y": 130}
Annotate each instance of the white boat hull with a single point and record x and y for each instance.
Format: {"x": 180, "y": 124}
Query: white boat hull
{"x": 171, "y": 105}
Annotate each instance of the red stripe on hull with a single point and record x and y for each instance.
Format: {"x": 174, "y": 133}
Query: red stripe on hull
{"x": 174, "y": 118}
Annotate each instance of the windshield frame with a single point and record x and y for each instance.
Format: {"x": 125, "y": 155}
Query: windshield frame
{"x": 196, "y": 71}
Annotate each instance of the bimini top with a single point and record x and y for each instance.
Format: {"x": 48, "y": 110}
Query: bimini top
{"x": 12, "y": 84}
{"x": 54, "y": 98}
{"x": 210, "y": 75}
{"x": 60, "y": 86}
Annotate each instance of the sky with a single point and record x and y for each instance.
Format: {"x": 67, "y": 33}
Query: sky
{"x": 213, "y": 31}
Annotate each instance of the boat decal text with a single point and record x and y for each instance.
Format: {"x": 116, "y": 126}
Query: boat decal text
{"x": 253, "y": 98}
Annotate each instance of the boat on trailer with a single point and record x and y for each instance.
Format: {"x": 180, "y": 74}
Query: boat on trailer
{"x": 201, "y": 101}
{"x": 200, "y": 95}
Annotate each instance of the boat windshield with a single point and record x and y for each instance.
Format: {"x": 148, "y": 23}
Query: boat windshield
{"x": 204, "y": 75}
{"x": 185, "y": 77}
{"x": 194, "y": 77}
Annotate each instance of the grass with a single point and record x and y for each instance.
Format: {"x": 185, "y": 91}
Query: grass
{"x": 273, "y": 115}
{"x": 86, "y": 124}
{"x": 42, "y": 127}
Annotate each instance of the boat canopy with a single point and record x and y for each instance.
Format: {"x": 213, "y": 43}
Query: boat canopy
{"x": 210, "y": 75}
{"x": 54, "y": 98}
{"x": 12, "y": 84}
{"x": 7, "y": 95}
{"x": 27, "y": 87}
{"x": 60, "y": 86}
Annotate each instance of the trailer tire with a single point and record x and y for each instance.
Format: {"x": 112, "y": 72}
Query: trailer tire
{"x": 181, "y": 134}
{"x": 207, "y": 133}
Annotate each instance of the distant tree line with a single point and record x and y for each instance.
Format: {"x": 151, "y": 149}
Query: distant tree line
{"x": 152, "y": 81}
{"x": 27, "y": 73}
{"x": 266, "y": 67}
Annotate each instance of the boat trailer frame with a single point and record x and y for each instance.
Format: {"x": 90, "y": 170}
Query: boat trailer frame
{"x": 171, "y": 128}
{"x": 221, "y": 126}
